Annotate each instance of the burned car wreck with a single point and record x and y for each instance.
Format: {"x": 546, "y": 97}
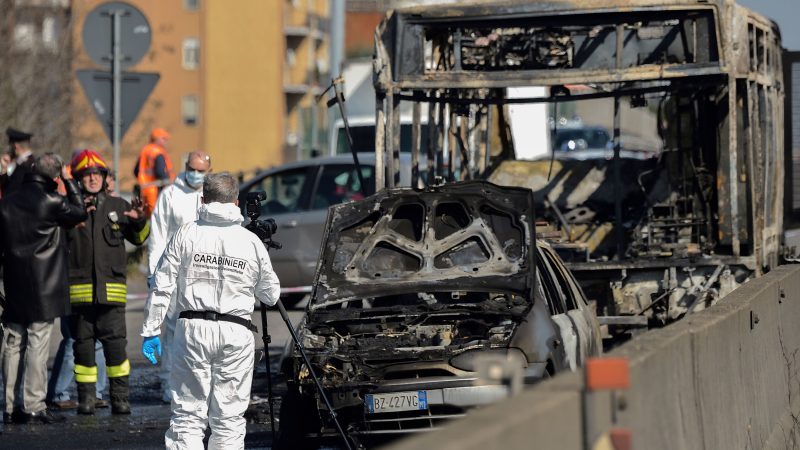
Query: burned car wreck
{"x": 428, "y": 302}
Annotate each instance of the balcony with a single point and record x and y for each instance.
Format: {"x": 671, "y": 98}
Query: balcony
{"x": 313, "y": 26}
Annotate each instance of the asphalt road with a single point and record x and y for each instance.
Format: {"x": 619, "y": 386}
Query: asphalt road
{"x": 145, "y": 427}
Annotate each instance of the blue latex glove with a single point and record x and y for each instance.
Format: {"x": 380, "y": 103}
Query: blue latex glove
{"x": 150, "y": 347}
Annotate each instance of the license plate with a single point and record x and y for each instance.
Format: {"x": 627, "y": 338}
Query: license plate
{"x": 396, "y": 401}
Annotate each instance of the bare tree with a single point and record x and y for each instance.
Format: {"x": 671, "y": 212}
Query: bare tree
{"x": 35, "y": 71}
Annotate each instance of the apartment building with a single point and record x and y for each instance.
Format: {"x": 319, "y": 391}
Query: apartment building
{"x": 238, "y": 80}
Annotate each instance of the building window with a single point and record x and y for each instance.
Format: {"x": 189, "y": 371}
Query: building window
{"x": 189, "y": 109}
{"x": 191, "y": 53}
{"x": 49, "y": 38}
{"x": 191, "y": 5}
{"x": 24, "y": 36}
{"x": 291, "y": 57}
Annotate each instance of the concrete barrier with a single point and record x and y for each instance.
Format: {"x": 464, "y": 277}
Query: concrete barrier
{"x": 724, "y": 378}
{"x": 516, "y": 420}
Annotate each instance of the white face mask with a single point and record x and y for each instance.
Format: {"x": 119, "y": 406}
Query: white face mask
{"x": 195, "y": 178}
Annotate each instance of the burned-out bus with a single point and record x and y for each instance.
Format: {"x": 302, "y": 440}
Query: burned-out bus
{"x": 661, "y": 175}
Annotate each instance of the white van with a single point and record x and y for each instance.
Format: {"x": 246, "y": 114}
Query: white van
{"x": 362, "y": 129}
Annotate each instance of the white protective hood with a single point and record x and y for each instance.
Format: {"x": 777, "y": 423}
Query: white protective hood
{"x": 220, "y": 213}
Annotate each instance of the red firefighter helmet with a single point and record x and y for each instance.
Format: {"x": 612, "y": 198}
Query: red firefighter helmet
{"x": 85, "y": 160}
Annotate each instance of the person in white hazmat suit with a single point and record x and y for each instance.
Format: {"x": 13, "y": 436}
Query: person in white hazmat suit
{"x": 216, "y": 268}
{"x": 177, "y": 204}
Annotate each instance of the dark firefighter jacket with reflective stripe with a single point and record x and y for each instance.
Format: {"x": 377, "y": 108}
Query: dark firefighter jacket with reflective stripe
{"x": 97, "y": 256}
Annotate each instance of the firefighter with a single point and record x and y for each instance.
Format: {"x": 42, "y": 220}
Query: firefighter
{"x": 97, "y": 281}
{"x": 153, "y": 171}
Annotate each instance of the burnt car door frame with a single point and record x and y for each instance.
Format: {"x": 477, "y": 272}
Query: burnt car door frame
{"x": 560, "y": 310}
{"x": 578, "y": 310}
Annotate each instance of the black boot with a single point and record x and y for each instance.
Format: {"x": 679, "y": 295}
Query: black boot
{"x": 86, "y": 397}
{"x": 119, "y": 395}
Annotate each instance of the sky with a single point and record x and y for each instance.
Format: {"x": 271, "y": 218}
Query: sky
{"x": 785, "y": 12}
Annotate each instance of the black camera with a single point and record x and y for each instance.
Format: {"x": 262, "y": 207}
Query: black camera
{"x": 90, "y": 201}
{"x": 263, "y": 228}
{"x": 253, "y": 205}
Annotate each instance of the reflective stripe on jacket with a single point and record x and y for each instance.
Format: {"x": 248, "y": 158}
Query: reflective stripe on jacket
{"x": 149, "y": 184}
{"x": 147, "y": 165}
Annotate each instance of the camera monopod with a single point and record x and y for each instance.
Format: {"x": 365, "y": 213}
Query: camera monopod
{"x": 267, "y": 340}
{"x": 320, "y": 389}
{"x": 264, "y": 230}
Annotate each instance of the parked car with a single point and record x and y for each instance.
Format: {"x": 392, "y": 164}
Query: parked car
{"x": 419, "y": 296}
{"x": 298, "y": 196}
{"x": 578, "y": 138}
{"x": 584, "y": 143}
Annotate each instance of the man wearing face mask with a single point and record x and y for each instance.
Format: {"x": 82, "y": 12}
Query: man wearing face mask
{"x": 97, "y": 282}
{"x": 177, "y": 204}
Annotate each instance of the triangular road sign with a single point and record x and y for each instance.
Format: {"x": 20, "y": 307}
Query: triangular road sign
{"x": 136, "y": 87}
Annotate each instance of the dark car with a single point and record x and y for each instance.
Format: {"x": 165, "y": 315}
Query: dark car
{"x": 580, "y": 138}
{"x": 298, "y": 196}
{"x": 422, "y": 300}
{"x": 592, "y": 142}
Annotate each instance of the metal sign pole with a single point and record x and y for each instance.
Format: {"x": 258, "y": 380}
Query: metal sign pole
{"x": 116, "y": 36}
{"x": 117, "y": 97}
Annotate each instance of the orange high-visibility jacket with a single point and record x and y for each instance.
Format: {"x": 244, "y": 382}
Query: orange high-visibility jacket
{"x": 149, "y": 185}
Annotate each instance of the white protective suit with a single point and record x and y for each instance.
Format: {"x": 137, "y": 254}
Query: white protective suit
{"x": 212, "y": 264}
{"x": 177, "y": 204}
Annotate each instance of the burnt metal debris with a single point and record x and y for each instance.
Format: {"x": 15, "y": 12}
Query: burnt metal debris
{"x": 421, "y": 290}
{"x": 413, "y": 284}
{"x": 649, "y": 235}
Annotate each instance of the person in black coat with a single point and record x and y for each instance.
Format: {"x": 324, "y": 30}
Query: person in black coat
{"x": 18, "y": 162}
{"x": 33, "y": 251}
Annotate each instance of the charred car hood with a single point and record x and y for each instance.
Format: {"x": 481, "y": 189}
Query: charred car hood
{"x": 468, "y": 236}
